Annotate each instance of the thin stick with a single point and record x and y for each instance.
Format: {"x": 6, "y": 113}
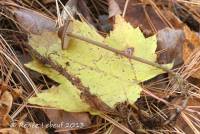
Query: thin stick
{"x": 107, "y": 47}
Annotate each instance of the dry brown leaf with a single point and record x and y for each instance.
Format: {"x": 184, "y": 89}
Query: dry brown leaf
{"x": 144, "y": 16}
{"x": 34, "y": 130}
{"x": 173, "y": 19}
{"x": 5, "y": 107}
{"x": 183, "y": 126}
{"x": 113, "y": 8}
{"x": 181, "y": 122}
{"x": 66, "y": 118}
{"x": 192, "y": 43}
{"x": 17, "y": 92}
{"x": 9, "y": 131}
{"x": 5, "y": 121}
{"x": 33, "y": 21}
{"x": 170, "y": 46}
{"x": 117, "y": 130}
{"x": 3, "y": 86}
{"x": 5, "y": 103}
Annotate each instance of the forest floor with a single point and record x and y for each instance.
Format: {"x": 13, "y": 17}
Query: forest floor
{"x": 35, "y": 98}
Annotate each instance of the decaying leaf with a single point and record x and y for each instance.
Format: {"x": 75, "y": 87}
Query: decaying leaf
{"x": 116, "y": 130}
{"x": 180, "y": 122}
{"x": 17, "y": 92}
{"x": 170, "y": 46}
{"x": 113, "y": 8}
{"x": 173, "y": 19}
{"x": 5, "y": 121}
{"x": 192, "y": 43}
{"x": 9, "y": 131}
{"x": 148, "y": 16}
{"x": 142, "y": 14}
{"x": 77, "y": 120}
{"x": 110, "y": 77}
{"x": 6, "y": 100}
{"x": 6, "y": 103}
{"x": 34, "y": 22}
{"x": 34, "y": 130}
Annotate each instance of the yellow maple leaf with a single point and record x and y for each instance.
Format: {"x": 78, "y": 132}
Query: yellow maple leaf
{"x": 112, "y": 78}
